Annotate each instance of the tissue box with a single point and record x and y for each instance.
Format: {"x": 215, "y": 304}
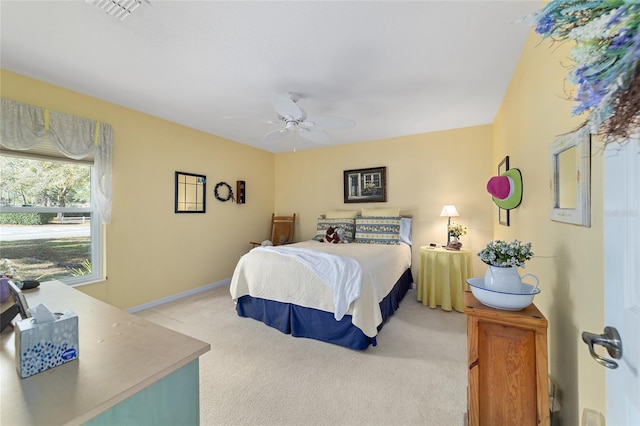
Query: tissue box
{"x": 43, "y": 346}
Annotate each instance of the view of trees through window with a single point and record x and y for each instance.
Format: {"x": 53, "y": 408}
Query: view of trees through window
{"x": 26, "y": 182}
{"x": 45, "y": 219}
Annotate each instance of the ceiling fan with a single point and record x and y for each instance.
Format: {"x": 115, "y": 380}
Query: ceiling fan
{"x": 295, "y": 119}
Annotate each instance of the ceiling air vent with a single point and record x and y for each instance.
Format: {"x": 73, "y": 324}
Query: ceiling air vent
{"x": 120, "y": 9}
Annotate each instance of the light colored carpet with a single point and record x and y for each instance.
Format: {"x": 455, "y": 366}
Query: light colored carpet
{"x": 255, "y": 375}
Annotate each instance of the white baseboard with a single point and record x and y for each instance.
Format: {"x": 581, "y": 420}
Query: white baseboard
{"x": 167, "y": 299}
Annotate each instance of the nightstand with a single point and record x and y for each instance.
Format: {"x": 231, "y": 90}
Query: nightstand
{"x": 442, "y": 277}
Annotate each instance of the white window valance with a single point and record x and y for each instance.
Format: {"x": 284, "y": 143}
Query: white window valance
{"x": 27, "y": 128}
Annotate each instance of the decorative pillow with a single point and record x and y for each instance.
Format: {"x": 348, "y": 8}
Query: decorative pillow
{"x": 341, "y": 214}
{"x": 378, "y": 230}
{"x": 346, "y": 224}
{"x": 386, "y": 212}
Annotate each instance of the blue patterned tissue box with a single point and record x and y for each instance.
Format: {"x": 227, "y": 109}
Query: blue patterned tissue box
{"x": 43, "y": 346}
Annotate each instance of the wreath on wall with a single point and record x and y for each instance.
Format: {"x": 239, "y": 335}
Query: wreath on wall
{"x": 216, "y": 193}
{"x": 606, "y": 56}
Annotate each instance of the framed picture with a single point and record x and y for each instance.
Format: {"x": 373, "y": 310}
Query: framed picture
{"x": 19, "y": 306}
{"x": 19, "y": 300}
{"x": 365, "y": 185}
{"x": 503, "y": 215}
{"x": 190, "y": 193}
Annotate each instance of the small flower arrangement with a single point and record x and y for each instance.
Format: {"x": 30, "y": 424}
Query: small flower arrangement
{"x": 456, "y": 230}
{"x": 502, "y": 254}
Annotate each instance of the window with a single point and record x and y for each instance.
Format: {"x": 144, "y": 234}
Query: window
{"x": 55, "y": 193}
{"x": 50, "y": 227}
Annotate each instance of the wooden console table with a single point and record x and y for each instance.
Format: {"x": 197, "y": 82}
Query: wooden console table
{"x": 130, "y": 370}
{"x": 508, "y": 378}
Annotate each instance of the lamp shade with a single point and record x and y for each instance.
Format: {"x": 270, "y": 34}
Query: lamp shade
{"x": 449, "y": 210}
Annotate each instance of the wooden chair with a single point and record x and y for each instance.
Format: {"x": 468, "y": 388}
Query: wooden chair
{"x": 282, "y": 230}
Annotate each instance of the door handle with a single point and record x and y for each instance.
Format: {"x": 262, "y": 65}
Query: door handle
{"x": 610, "y": 339}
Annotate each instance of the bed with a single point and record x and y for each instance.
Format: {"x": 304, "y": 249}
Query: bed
{"x": 279, "y": 286}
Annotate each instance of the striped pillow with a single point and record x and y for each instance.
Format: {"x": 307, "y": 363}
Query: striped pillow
{"x": 378, "y": 230}
{"x": 347, "y": 225}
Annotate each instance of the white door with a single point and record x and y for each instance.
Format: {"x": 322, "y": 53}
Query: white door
{"x": 622, "y": 278}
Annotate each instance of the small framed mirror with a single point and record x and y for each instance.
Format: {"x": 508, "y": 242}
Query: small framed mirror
{"x": 570, "y": 179}
{"x": 190, "y": 193}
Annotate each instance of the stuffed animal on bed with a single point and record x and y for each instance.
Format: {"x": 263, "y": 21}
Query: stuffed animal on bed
{"x": 332, "y": 235}
{"x": 335, "y": 236}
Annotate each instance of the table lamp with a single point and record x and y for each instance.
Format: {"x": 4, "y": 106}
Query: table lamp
{"x": 449, "y": 210}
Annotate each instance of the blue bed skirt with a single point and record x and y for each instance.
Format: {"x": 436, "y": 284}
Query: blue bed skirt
{"x": 320, "y": 325}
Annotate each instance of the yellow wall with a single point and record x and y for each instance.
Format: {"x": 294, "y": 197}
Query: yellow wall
{"x": 424, "y": 172}
{"x": 569, "y": 258}
{"x": 151, "y": 251}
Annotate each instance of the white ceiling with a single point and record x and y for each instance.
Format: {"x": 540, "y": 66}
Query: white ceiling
{"x": 396, "y": 68}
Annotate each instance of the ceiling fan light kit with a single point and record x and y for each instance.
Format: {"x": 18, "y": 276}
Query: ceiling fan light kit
{"x": 295, "y": 120}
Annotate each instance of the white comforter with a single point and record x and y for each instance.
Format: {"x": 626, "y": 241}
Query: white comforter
{"x": 343, "y": 275}
{"x": 269, "y": 275}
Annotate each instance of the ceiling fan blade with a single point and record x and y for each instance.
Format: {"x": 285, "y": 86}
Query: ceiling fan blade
{"x": 285, "y": 107}
{"x": 251, "y": 119}
{"x": 275, "y": 135}
{"x": 315, "y": 135}
{"x": 328, "y": 122}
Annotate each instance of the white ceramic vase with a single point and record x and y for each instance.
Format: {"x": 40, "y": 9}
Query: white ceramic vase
{"x": 506, "y": 279}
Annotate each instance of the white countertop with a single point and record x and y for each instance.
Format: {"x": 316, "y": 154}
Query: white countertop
{"x": 120, "y": 354}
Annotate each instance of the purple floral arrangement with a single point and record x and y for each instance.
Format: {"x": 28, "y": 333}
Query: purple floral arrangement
{"x": 606, "y": 56}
